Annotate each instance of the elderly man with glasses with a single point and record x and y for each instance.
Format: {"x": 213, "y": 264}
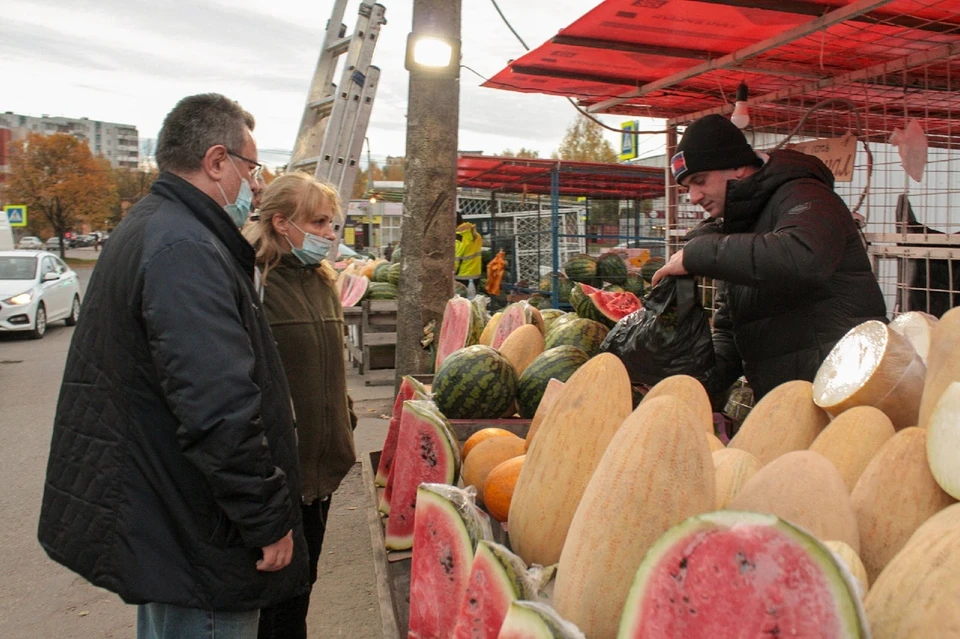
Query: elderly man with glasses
{"x": 173, "y": 470}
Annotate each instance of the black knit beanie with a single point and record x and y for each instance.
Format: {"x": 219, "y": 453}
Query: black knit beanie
{"x": 711, "y": 143}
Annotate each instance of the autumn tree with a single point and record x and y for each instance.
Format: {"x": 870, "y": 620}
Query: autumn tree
{"x": 524, "y": 152}
{"x": 584, "y": 142}
{"x": 393, "y": 168}
{"x": 362, "y": 184}
{"x": 58, "y": 179}
{"x": 131, "y": 187}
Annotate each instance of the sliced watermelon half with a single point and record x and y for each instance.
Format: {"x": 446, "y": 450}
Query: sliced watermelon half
{"x": 427, "y": 451}
{"x": 756, "y": 573}
{"x": 536, "y": 620}
{"x": 462, "y": 326}
{"x": 609, "y": 307}
{"x": 497, "y": 578}
{"x": 513, "y": 317}
{"x": 447, "y": 529}
{"x": 352, "y": 289}
{"x": 409, "y": 389}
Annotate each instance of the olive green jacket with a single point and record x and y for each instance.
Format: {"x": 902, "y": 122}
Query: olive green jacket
{"x": 307, "y": 321}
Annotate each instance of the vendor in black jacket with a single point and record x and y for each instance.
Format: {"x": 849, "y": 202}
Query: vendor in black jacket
{"x": 795, "y": 275}
{"x": 173, "y": 471}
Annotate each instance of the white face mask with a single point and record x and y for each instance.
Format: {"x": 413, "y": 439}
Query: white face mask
{"x": 239, "y": 211}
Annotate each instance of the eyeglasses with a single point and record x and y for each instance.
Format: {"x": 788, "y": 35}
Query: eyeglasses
{"x": 256, "y": 172}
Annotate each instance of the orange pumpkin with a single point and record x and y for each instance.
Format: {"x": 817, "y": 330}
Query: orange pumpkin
{"x": 498, "y": 489}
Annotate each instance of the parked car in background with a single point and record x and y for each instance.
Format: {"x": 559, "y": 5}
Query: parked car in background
{"x": 36, "y": 288}
{"x": 81, "y": 241}
{"x": 53, "y": 244}
{"x": 30, "y": 243}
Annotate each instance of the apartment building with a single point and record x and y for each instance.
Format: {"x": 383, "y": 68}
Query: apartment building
{"x": 119, "y": 143}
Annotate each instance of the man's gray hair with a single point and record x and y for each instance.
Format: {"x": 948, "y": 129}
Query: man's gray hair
{"x": 195, "y": 124}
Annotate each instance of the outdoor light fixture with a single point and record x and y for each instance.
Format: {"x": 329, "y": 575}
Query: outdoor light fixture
{"x": 433, "y": 55}
{"x": 741, "y": 116}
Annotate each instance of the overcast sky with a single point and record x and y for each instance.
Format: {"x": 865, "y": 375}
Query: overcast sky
{"x": 129, "y": 61}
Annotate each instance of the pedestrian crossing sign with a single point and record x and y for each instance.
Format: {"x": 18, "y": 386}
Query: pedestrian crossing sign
{"x": 628, "y": 140}
{"x": 16, "y": 214}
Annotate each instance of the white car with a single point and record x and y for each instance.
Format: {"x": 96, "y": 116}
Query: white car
{"x": 36, "y": 288}
{"x": 30, "y": 242}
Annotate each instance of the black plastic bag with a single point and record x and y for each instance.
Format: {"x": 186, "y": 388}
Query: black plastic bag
{"x": 670, "y": 335}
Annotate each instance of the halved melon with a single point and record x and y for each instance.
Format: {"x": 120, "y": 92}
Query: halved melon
{"x": 943, "y": 363}
{"x": 916, "y": 326}
{"x": 943, "y": 441}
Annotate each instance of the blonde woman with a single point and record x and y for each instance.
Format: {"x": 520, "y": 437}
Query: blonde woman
{"x": 292, "y": 237}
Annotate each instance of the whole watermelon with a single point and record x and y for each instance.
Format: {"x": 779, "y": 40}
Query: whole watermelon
{"x": 585, "y": 334}
{"x": 380, "y": 273}
{"x": 395, "y": 256}
{"x": 582, "y": 304}
{"x": 539, "y": 301}
{"x": 581, "y": 268}
{"x": 556, "y": 363}
{"x": 476, "y": 382}
{"x": 634, "y": 284}
{"x": 381, "y": 291}
{"x": 550, "y": 315}
{"x": 611, "y": 268}
{"x": 651, "y": 266}
{"x": 613, "y": 288}
{"x": 393, "y": 273}
{"x": 459, "y": 289}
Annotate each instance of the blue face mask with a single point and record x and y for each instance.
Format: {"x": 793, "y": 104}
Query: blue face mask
{"x": 239, "y": 211}
{"x": 314, "y": 247}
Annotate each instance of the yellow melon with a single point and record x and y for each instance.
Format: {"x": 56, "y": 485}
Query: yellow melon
{"x": 943, "y": 441}
{"x": 522, "y": 347}
{"x": 851, "y": 560}
{"x": 943, "y": 363}
{"x": 656, "y": 473}
{"x": 714, "y": 442}
{"x": 486, "y": 337}
{"x": 486, "y": 456}
{"x": 894, "y": 495}
{"x": 692, "y": 391}
{"x": 549, "y": 395}
{"x": 566, "y": 451}
{"x": 806, "y": 490}
{"x": 785, "y": 419}
{"x": 916, "y": 594}
{"x": 732, "y": 469}
{"x": 852, "y": 439}
{"x": 872, "y": 366}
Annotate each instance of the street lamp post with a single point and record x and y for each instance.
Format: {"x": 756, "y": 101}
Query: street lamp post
{"x": 430, "y": 179}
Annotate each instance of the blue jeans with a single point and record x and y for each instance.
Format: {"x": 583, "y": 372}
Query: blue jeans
{"x": 163, "y": 621}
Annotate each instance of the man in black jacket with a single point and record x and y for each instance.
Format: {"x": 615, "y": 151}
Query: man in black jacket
{"x": 172, "y": 477}
{"x": 795, "y": 275}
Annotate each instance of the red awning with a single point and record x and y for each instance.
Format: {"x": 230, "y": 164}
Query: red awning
{"x": 678, "y": 59}
{"x": 576, "y": 179}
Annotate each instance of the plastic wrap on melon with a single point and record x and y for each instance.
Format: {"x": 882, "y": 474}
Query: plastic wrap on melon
{"x": 465, "y": 502}
{"x": 552, "y": 622}
{"x": 482, "y": 302}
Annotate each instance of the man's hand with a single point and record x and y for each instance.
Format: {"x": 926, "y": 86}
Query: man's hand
{"x": 277, "y": 555}
{"x": 673, "y": 267}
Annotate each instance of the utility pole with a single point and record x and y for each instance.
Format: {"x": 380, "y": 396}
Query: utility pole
{"x": 430, "y": 185}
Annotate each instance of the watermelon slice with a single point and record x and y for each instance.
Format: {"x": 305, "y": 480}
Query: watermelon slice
{"x": 427, "y": 451}
{"x": 535, "y": 620}
{"x": 446, "y": 532}
{"x": 755, "y": 573}
{"x": 462, "y": 326}
{"x": 352, "y": 289}
{"x": 409, "y": 389}
{"x": 514, "y": 316}
{"x": 607, "y": 307}
{"x": 497, "y": 578}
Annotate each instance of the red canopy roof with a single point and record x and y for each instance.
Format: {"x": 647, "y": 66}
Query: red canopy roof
{"x": 677, "y": 59}
{"x": 576, "y": 179}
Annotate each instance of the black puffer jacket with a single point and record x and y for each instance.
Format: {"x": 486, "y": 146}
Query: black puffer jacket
{"x": 796, "y": 275}
{"x": 174, "y": 456}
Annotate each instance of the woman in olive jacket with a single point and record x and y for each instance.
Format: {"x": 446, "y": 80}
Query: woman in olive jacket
{"x": 292, "y": 236}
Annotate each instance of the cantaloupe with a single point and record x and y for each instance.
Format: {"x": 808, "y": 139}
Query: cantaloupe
{"x": 549, "y": 395}
{"x": 482, "y": 435}
{"x": 851, "y": 560}
{"x": 522, "y": 347}
{"x": 894, "y": 495}
{"x": 499, "y": 486}
{"x": 852, "y": 439}
{"x": 564, "y": 454}
{"x": 692, "y": 391}
{"x": 872, "y": 366}
{"x": 943, "y": 363}
{"x": 916, "y": 595}
{"x": 785, "y": 419}
{"x": 943, "y": 441}
{"x": 486, "y": 456}
{"x": 806, "y": 490}
{"x": 486, "y": 337}
{"x": 656, "y": 472}
{"x": 916, "y": 326}
{"x": 732, "y": 469}
{"x": 714, "y": 443}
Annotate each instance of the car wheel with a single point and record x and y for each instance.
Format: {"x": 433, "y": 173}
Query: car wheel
{"x": 40, "y": 323}
{"x": 74, "y": 312}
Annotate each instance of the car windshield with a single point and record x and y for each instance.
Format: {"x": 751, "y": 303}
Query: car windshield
{"x": 17, "y": 268}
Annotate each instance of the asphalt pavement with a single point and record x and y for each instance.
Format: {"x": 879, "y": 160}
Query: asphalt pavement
{"x": 40, "y": 599}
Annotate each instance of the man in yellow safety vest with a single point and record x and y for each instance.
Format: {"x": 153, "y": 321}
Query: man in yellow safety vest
{"x": 467, "y": 261}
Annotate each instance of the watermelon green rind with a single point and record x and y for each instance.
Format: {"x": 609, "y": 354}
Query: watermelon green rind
{"x": 585, "y": 334}
{"x": 692, "y": 532}
{"x": 550, "y": 315}
{"x": 395, "y": 256}
{"x": 650, "y": 267}
{"x": 611, "y": 268}
{"x": 380, "y": 273}
{"x": 393, "y": 273}
{"x": 535, "y": 620}
{"x": 634, "y": 284}
{"x": 381, "y": 291}
{"x": 583, "y": 305}
{"x": 581, "y": 268}
{"x": 556, "y": 363}
{"x": 476, "y": 382}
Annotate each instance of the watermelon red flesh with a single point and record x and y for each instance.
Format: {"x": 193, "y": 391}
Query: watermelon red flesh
{"x": 408, "y": 388}
{"x": 444, "y": 539}
{"x": 759, "y": 579}
{"x": 514, "y": 316}
{"x": 352, "y": 290}
{"x": 424, "y": 454}
{"x": 614, "y": 306}
{"x": 496, "y": 580}
{"x": 457, "y": 329}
